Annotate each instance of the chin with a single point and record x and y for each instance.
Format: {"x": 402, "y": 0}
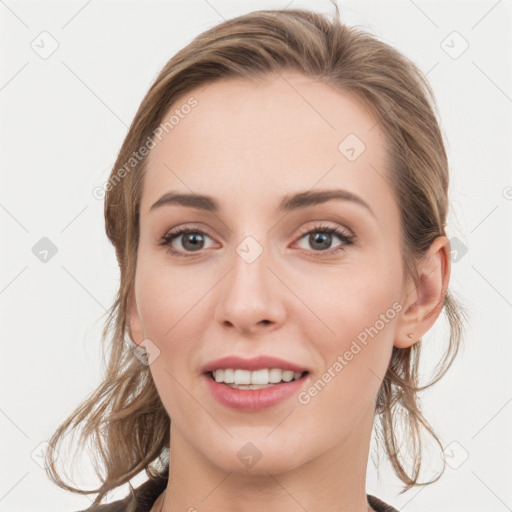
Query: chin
{"x": 257, "y": 458}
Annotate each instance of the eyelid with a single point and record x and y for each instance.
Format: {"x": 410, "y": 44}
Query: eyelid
{"x": 319, "y": 225}
{"x": 188, "y": 226}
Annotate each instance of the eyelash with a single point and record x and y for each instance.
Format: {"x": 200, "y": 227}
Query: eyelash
{"x": 344, "y": 237}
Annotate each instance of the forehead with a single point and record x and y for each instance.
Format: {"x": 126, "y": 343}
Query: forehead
{"x": 250, "y": 140}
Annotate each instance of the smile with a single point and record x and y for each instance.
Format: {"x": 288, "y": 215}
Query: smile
{"x": 252, "y": 396}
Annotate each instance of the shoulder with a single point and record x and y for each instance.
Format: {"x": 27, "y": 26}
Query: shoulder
{"x": 140, "y": 499}
{"x": 378, "y": 505}
{"x": 115, "y": 506}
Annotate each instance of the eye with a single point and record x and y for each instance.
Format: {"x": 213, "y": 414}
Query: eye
{"x": 191, "y": 239}
{"x": 320, "y": 238}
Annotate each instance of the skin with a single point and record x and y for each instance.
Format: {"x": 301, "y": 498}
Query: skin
{"x": 248, "y": 143}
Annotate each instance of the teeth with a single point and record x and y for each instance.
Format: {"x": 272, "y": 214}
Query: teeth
{"x": 256, "y": 377}
{"x": 229, "y": 376}
{"x": 242, "y": 377}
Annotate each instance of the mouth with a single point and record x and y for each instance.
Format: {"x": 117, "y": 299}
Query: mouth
{"x": 254, "y": 384}
{"x": 252, "y": 391}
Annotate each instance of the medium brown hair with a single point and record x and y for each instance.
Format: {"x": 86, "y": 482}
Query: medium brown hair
{"x": 124, "y": 418}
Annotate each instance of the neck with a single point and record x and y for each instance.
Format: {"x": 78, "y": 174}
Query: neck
{"x": 332, "y": 481}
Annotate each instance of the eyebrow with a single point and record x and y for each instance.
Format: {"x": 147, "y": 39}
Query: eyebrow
{"x": 289, "y": 202}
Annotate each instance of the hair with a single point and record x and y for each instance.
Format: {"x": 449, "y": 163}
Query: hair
{"x": 124, "y": 417}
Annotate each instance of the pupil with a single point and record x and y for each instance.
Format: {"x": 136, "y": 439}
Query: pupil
{"x": 326, "y": 237}
{"x": 194, "y": 239}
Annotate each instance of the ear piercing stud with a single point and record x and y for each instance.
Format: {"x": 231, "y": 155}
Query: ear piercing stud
{"x": 409, "y": 335}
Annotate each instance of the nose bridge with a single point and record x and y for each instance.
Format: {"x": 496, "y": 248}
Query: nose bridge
{"x": 250, "y": 297}
{"x": 249, "y": 279}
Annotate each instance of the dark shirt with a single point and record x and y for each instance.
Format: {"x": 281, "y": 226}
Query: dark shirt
{"x": 144, "y": 496}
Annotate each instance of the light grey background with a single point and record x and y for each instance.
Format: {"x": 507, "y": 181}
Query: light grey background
{"x": 63, "y": 119}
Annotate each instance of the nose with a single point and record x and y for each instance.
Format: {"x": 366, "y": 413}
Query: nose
{"x": 251, "y": 297}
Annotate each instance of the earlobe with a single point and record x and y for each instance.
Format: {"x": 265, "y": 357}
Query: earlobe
{"x": 423, "y": 300}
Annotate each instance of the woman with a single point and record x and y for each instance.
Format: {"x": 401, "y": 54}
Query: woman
{"x": 278, "y": 211}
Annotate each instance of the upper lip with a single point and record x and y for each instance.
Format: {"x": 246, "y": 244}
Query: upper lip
{"x": 256, "y": 363}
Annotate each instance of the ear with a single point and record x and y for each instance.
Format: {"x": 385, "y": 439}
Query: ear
{"x": 423, "y": 300}
{"x": 135, "y": 329}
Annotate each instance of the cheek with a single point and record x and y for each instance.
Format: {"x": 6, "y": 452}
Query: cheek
{"x": 172, "y": 317}
{"x": 347, "y": 300}
{"x": 170, "y": 298}
{"x": 352, "y": 316}
{"x": 354, "y": 352}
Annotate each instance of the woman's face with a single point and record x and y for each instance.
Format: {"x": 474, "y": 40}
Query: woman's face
{"x": 258, "y": 279}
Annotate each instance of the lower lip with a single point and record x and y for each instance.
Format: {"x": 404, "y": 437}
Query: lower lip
{"x": 254, "y": 399}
